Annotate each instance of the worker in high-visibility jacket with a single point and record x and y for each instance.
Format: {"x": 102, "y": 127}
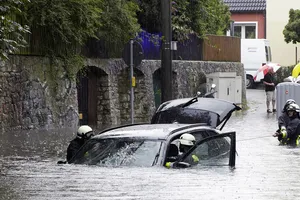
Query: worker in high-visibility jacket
{"x": 186, "y": 141}
{"x": 84, "y": 133}
{"x": 284, "y": 120}
{"x": 290, "y": 134}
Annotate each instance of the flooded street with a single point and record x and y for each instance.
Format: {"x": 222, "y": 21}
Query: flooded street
{"x": 264, "y": 170}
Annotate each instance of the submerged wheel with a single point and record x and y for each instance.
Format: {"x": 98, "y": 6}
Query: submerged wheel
{"x": 249, "y": 82}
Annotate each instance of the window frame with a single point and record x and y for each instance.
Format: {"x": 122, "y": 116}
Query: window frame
{"x": 231, "y": 135}
{"x": 204, "y": 132}
{"x": 243, "y": 25}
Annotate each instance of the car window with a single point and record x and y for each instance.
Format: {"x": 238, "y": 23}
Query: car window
{"x": 211, "y": 152}
{"x": 120, "y": 152}
{"x": 187, "y": 116}
{"x": 172, "y": 153}
{"x": 199, "y": 135}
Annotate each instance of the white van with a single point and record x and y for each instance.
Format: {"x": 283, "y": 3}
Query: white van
{"x": 254, "y": 54}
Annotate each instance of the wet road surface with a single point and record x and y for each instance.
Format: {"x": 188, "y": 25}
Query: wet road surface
{"x": 263, "y": 170}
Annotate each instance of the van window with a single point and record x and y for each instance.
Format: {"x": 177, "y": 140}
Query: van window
{"x": 267, "y": 54}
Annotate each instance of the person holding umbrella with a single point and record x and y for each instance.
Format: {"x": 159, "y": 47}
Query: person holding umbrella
{"x": 270, "y": 89}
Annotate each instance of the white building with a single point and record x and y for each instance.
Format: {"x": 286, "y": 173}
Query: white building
{"x": 277, "y": 18}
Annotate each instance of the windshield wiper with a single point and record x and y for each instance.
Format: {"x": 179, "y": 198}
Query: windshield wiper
{"x": 157, "y": 155}
{"x": 193, "y": 100}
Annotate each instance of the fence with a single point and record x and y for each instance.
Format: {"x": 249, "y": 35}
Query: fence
{"x": 212, "y": 48}
{"x": 222, "y": 48}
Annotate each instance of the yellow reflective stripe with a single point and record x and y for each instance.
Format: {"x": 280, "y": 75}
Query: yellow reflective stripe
{"x": 195, "y": 158}
{"x": 168, "y": 165}
{"x": 284, "y": 135}
{"x": 297, "y": 140}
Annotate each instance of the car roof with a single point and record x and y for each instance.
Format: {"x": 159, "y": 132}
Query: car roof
{"x": 218, "y": 106}
{"x": 150, "y": 131}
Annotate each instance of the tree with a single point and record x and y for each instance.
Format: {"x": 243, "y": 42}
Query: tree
{"x": 199, "y": 17}
{"x": 67, "y": 25}
{"x": 61, "y": 27}
{"x": 119, "y": 24}
{"x": 291, "y": 31}
{"x": 11, "y": 32}
{"x": 149, "y": 15}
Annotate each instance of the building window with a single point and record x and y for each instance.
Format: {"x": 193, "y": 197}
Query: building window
{"x": 245, "y": 30}
{"x": 250, "y": 32}
{"x": 237, "y": 31}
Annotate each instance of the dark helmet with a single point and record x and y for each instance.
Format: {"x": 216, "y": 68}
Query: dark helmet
{"x": 290, "y": 101}
{"x": 287, "y": 103}
{"x": 293, "y": 107}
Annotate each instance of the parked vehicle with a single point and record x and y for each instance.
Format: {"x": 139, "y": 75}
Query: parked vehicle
{"x": 254, "y": 54}
{"x": 146, "y": 145}
{"x": 153, "y": 144}
{"x": 209, "y": 94}
{"x": 212, "y": 112}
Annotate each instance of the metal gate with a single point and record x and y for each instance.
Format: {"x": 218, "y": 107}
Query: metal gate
{"x": 285, "y": 91}
{"x": 82, "y": 95}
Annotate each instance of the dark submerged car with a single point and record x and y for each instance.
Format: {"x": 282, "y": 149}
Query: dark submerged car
{"x": 212, "y": 112}
{"x": 147, "y": 145}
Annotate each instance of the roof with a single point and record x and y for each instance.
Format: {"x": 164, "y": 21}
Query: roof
{"x": 151, "y": 131}
{"x": 246, "y": 5}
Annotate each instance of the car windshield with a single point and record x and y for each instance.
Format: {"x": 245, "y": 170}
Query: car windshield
{"x": 120, "y": 152}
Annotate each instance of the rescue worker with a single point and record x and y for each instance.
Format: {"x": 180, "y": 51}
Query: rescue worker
{"x": 290, "y": 135}
{"x": 186, "y": 141}
{"x": 84, "y": 133}
{"x": 283, "y": 119}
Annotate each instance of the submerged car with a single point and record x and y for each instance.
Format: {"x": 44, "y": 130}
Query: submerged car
{"x": 146, "y": 145}
{"x": 212, "y": 112}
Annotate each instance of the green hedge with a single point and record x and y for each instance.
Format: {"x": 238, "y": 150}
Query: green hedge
{"x": 283, "y": 72}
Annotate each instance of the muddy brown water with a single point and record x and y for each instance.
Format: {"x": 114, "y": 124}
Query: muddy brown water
{"x": 264, "y": 170}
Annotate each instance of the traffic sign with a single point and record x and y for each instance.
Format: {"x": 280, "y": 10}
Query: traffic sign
{"x": 138, "y": 54}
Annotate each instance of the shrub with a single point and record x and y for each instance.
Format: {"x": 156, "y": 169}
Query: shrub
{"x": 283, "y": 72}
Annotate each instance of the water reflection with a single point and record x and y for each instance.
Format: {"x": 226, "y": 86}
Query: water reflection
{"x": 35, "y": 144}
{"x": 264, "y": 170}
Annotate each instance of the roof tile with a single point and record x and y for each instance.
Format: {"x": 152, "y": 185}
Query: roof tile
{"x": 246, "y": 5}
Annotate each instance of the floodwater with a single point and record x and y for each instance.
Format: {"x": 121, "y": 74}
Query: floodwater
{"x": 264, "y": 170}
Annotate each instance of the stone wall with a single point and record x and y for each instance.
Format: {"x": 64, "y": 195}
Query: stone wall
{"x": 26, "y": 101}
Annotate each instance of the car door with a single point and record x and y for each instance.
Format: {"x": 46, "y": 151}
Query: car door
{"x": 215, "y": 150}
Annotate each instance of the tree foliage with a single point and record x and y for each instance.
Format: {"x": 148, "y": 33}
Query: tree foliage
{"x": 119, "y": 23}
{"x": 291, "y": 31}
{"x": 60, "y": 27}
{"x": 199, "y": 17}
{"x": 11, "y": 32}
{"x": 149, "y": 15}
{"x": 67, "y": 25}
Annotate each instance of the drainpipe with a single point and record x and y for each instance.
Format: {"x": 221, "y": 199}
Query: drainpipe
{"x": 265, "y": 16}
{"x": 231, "y": 28}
